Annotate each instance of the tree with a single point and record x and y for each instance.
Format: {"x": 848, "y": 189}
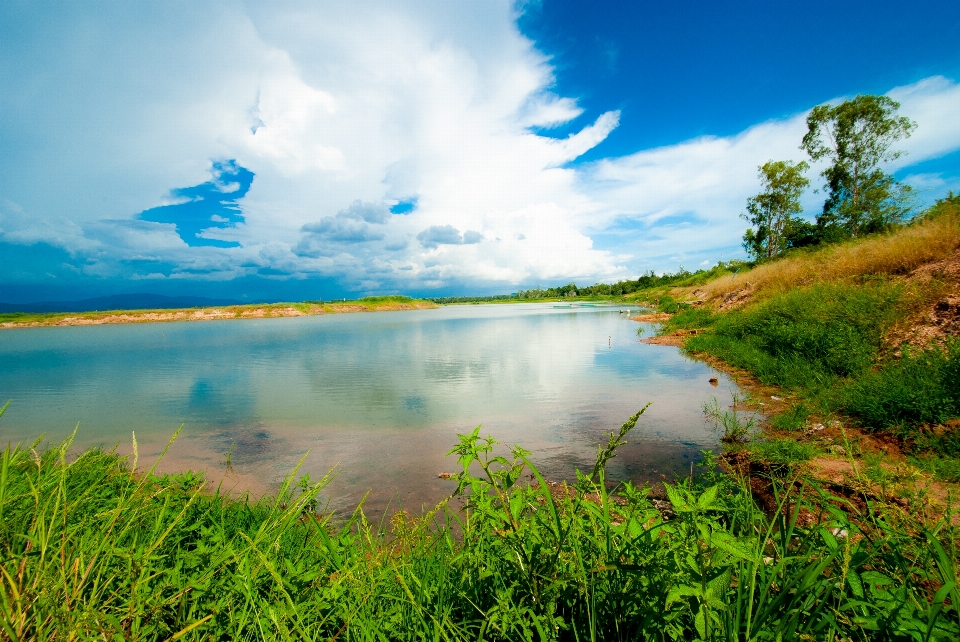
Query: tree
{"x": 856, "y": 136}
{"x": 772, "y": 212}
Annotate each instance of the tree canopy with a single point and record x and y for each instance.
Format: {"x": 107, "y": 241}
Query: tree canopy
{"x": 857, "y": 137}
{"x": 772, "y": 211}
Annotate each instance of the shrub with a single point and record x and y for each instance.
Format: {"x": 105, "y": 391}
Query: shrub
{"x": 806, "y": 338}
{"x": 920, "y": 388}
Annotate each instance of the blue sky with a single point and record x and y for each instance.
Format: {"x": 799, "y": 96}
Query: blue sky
{"x": 310, "y": 150}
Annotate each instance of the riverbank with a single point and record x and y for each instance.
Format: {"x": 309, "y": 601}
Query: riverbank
{"x": 100, "y": 547}
{"x": 852, "y": 354}
{"x": 216, "y": 313}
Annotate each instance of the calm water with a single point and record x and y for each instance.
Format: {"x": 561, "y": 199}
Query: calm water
{"x": 383, "y": 395}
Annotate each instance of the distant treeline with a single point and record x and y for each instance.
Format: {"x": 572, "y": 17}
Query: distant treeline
{"x": 472, "y": 299}
{"x": 647, "y": 281}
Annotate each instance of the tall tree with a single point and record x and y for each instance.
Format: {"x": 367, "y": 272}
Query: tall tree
{"x": 772, "y": 211}
{"x": 857, "y": 136}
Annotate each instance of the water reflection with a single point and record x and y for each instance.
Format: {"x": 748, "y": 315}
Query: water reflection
{"x": 383, "y": 395}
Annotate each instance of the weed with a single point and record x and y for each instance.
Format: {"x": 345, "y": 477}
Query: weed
{"x": 736, "y": 427}
{"x": 920, "y": 388}
{"x": 793, "y": 420}
{"x": 91, "y": 549}
{"x": 781, "y": 453}
{"x": 943, "y": 468}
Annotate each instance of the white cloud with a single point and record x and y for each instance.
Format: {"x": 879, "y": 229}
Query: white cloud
{"x": 341, "y": 111}
{"x": 934, "y": 104}
{"x": 687, "y": 197}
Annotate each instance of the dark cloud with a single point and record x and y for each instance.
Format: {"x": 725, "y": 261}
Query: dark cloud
{"x": 447, "y": 235}
{"x": 439, "y": 235}
{"x": 350, "y": 225}
{"x": 342, "y": 230}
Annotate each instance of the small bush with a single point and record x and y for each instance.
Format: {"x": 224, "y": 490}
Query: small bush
{"x": 921, "y": 388}
{"x": 781, "y": 452}
{"x": 792, "y": 420}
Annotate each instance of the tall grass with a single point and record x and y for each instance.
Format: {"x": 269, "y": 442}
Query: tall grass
{"x": 92, "y": 550}
{"x": 897, "y": 252}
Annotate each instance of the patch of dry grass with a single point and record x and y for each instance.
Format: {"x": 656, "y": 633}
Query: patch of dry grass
{"x": 897, "y": 253}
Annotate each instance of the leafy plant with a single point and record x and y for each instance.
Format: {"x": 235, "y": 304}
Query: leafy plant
{"x": 736, "y": 427}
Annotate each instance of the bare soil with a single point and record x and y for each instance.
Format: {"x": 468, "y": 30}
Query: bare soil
{"x": 934, "y": 322}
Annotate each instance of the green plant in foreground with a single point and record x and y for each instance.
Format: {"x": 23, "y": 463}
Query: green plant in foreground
{"x": 736, "y": 427}
{"x": 92, "y": 549}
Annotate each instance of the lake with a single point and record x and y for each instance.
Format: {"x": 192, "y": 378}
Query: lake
{"x": 380, "y": 395}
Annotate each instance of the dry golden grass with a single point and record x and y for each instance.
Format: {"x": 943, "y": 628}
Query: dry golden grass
{"x": 899, "y": 252}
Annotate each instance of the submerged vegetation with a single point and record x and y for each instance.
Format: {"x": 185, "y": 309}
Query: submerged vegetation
{"x": 93, "y": 547}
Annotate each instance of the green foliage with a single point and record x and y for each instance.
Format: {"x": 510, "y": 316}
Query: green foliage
{"x": 920, "y": 388}
{"x": 950, "y": 204}
{"x": 805, "y": 338}
{"x": 943, "y": 468}
{"x": 856, "y": 137}
{"x": 737, "y": 427}
{"x": 648, "y": 281}
{"x": 690, "y": 317}
{"x": 447, "y": 300}
{"x": 792, "y": 420}
{"x": 91, "y": 549}
{"x": 771, "y": 211}
{"x": 391, "y": 298}
{"x": 781, "y": 453}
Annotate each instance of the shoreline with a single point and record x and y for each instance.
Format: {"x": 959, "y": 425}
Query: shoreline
{"x": 213, "y": 313}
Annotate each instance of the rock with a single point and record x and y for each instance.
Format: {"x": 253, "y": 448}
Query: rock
{"x": 714, "y": 381}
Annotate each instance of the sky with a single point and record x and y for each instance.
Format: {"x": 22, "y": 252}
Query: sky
{"x": 312, "y": 150}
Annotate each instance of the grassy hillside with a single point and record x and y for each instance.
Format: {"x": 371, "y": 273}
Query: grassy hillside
{"x": 863, "y": 333}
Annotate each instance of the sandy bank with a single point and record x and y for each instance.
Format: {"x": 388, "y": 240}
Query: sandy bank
{"x": 277, "y": 310}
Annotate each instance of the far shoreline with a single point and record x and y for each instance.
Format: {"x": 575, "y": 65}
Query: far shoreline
{"x": 211, "y": 313}
{"x": 15, "y": 320}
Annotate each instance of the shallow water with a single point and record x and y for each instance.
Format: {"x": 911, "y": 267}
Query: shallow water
{"x": 383, "y": 395}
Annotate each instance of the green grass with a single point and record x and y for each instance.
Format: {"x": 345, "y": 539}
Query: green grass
{"x": 825, "y": 344}
{"x": 943, "y": 468}
{"x": 781, "y": 453}
{"x": 793, "y": 420}
{"x": 90, "y": 550}
{"x": 806, "y": 336}
{"x": 923, "y": 387}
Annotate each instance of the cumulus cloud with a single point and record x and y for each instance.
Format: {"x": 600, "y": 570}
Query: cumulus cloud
{"x": 686, "y": 197}
{"x": 350, "y": 225}
{"x": 439, "y": 235}
{"x": 422, "y": 162}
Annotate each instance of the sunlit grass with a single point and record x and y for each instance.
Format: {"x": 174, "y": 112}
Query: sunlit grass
{"x": 896, "y": 253}
{"x": 93, "y": 550}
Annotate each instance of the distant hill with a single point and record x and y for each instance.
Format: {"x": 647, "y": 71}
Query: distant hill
{"x": 118, "y": 302}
